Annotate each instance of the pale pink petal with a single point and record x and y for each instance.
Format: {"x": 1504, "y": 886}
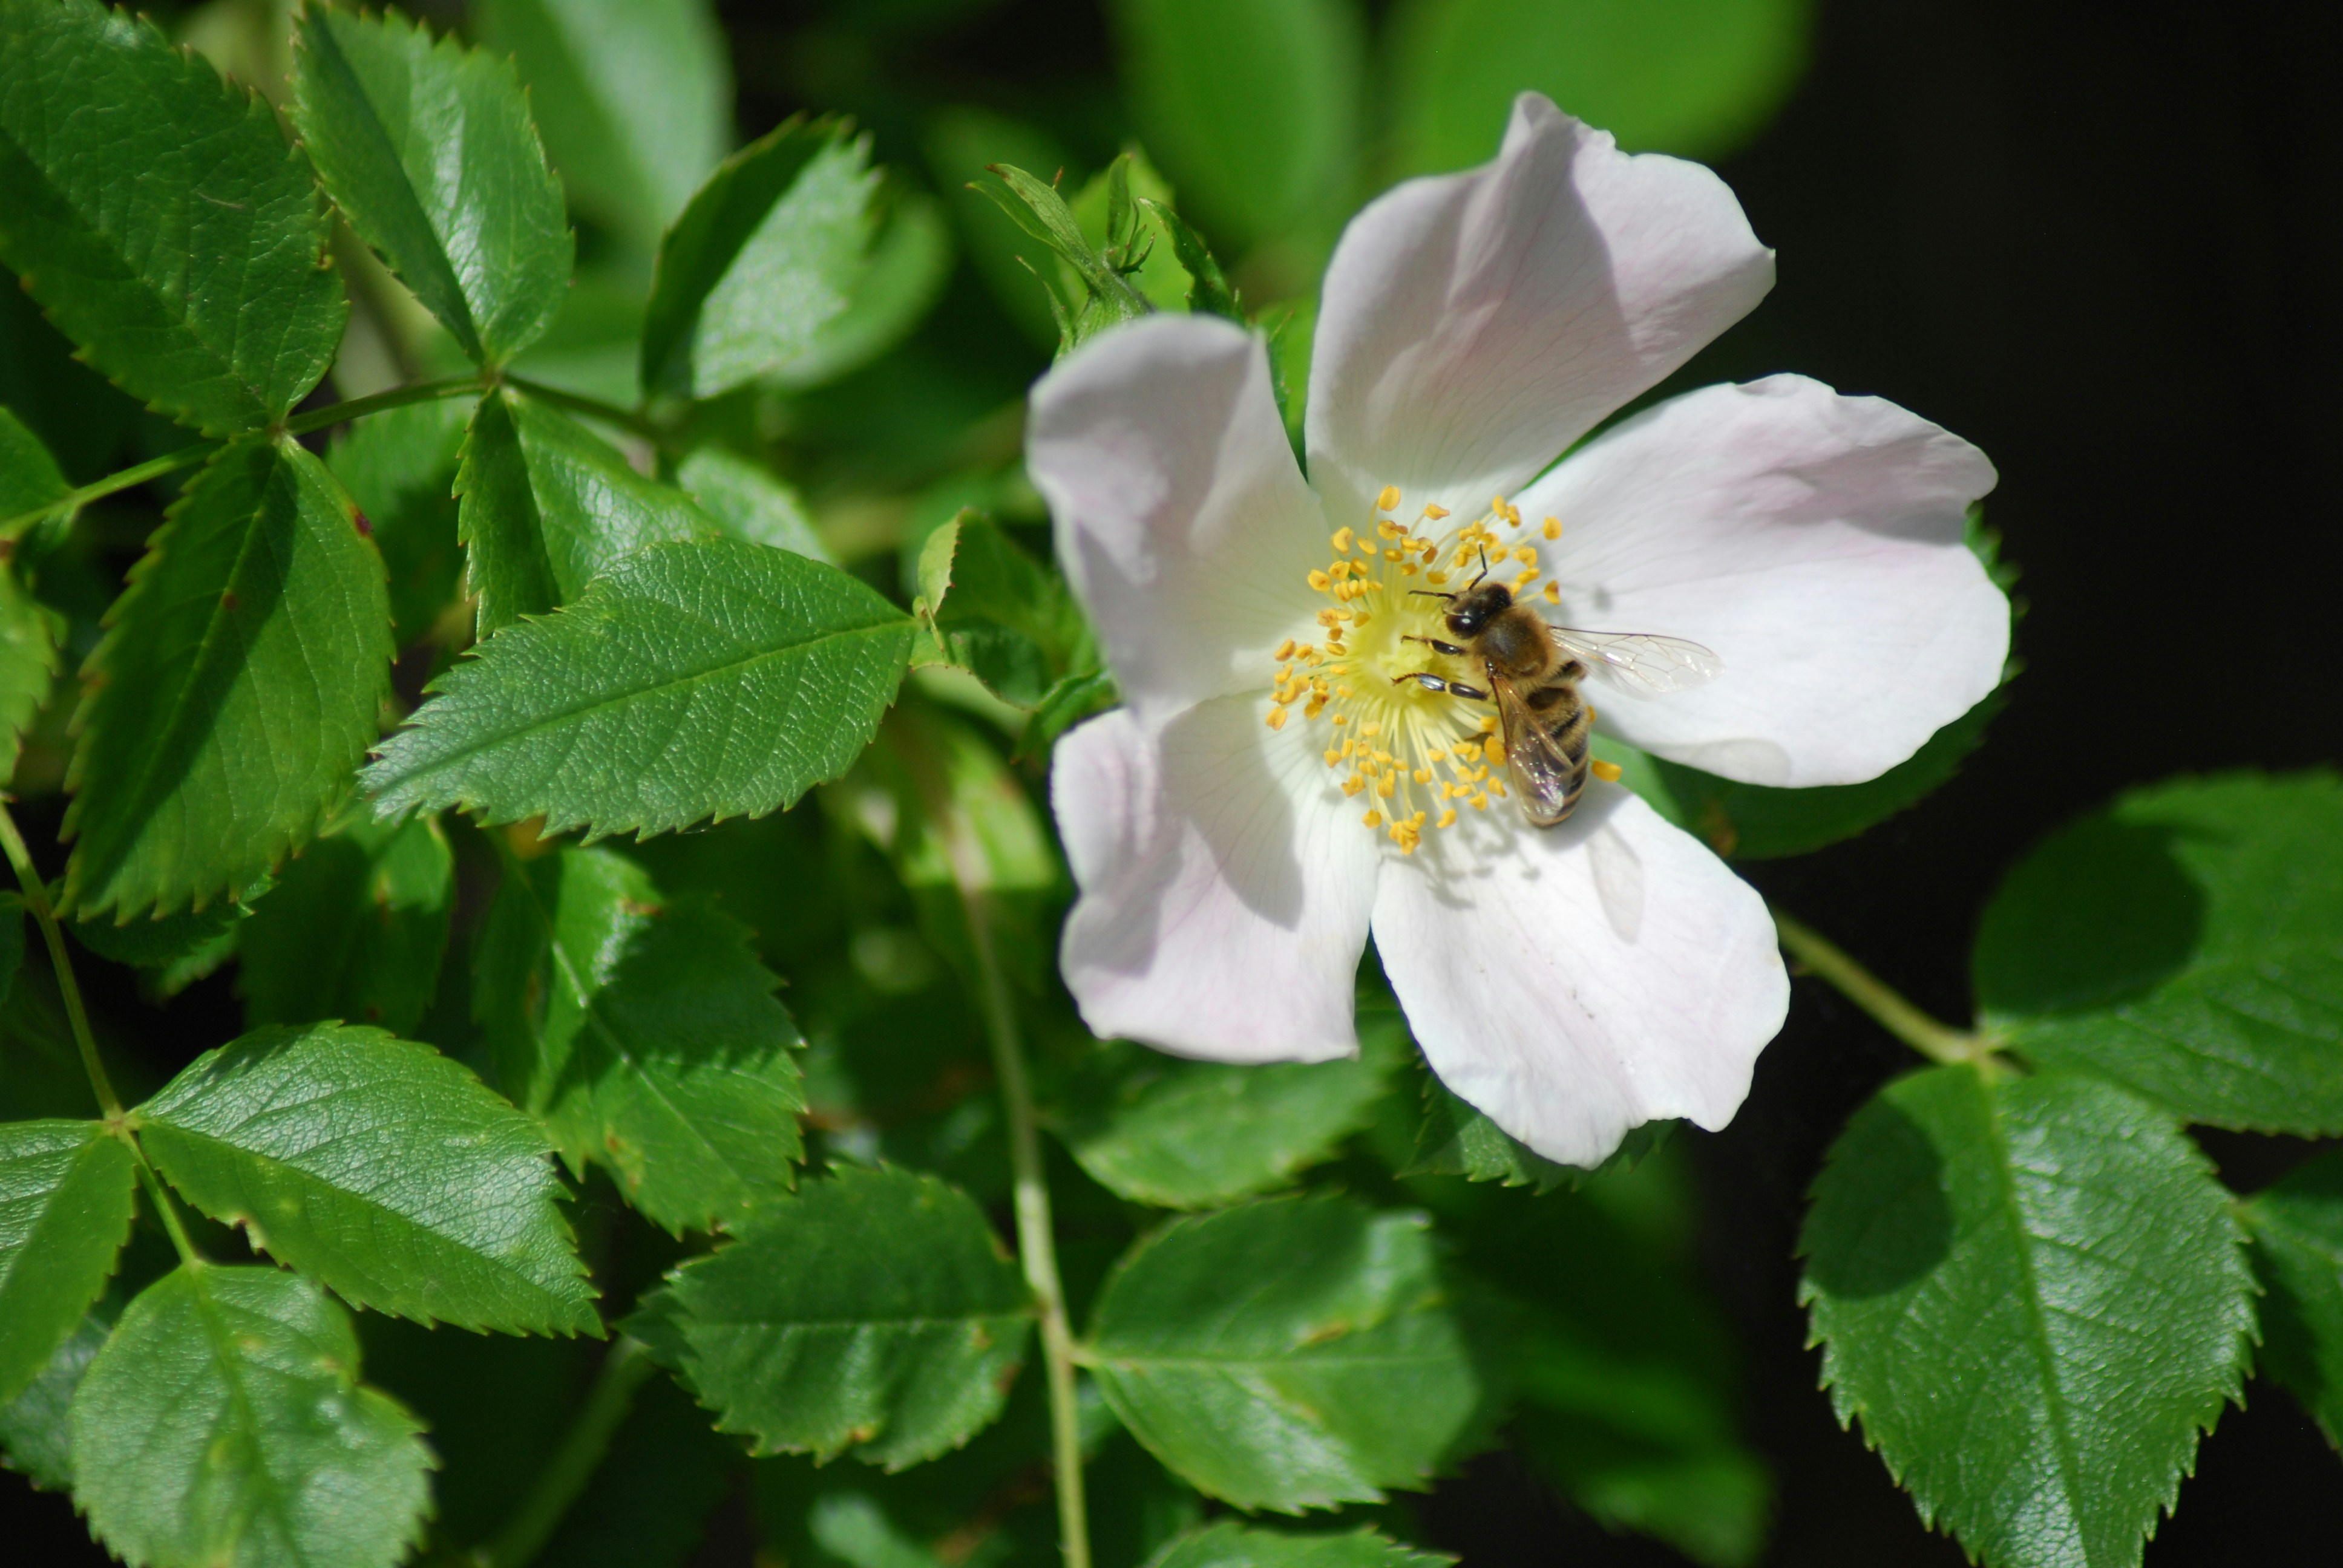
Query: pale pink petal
{"x": 1474, "y": 325}
{"x": 1814, "y": 541}
{"x": 1572, "y": 982}
{"x": 1182, "y": 519}
{"x": 1225, "y": 888}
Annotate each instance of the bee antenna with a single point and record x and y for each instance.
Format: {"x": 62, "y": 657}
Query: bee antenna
{"x": 1484, "y": 568}
{"x": 1430, "y": 593}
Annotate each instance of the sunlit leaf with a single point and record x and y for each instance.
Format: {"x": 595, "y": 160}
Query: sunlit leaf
{"x": 2032, "y": 1293}
{"x": 1229, "y": 1545}
{"x": 379, "y": 1167}
{"x": 159, "y": 217}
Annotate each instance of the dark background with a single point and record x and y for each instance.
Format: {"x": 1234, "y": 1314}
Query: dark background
{"x": 2107, "y": 246}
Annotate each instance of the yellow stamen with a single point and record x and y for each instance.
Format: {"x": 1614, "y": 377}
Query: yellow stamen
{"x": 1609, "y": 772}
{"x": 1554, "y": 527}
{"x": 1277, "y": 717}
{"x": 1388, "y": 500}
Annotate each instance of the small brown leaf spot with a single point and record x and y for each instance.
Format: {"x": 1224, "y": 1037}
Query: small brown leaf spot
{"x": 979, "y": 1336}
{"x": 228, "y": 600}
{"x": 373, "y": 1013}
{"x": 863, "y": 1434}
{"x": 366, "y": 528}
{"x": 635, "y": 907}
{"x": 1333, "y": 1330}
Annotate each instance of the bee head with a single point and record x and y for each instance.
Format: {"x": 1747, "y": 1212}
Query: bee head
{"x": 1477, "y": 607}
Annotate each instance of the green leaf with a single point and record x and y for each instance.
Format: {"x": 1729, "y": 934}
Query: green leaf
{"x": 644, "y": 1035}
{"x": 2187, "y": 943}
{"x": 1209, "y": 290}
{"x": 2298, "y": 1231}
{"x": 1229, "y": 1545}
{"x": 1755, "y": 822}
{"x": 380, "y": 1167}
{"x": 239, "y": 681}
{"x": 12, "y": 941}
{"x": 1104, "y": 296}
{"x": 1251, "y": 105}
{"x": 751, "y": 502}
{"x": 177, "y": 949}
{"x": 634, "y": 98}
{"x": 428, "y": 149}
{"x": 693, "y": 680}
{"x": 36, "y": 1427}
{"x": 909, "y": 263}
{"x": 960, "y": 144}
{"x": 1455, "y": 1140}
{"x": 224, "y": 1426}
{"x": 1192, "y": 1134}
{"x": 765, "y": 258}
{"x": 2032, "y": 1291}
{"x": 1296, "y": 1353}
{"x": 399, "y": 467}
{"x": 1125, "y": 213}
{"x": 158, "y": 216}
{"x": 29, "y": 477}
{"x": 1003, "y": 615}
{"x": 29, "y": 662}
{"x": 1695, "y": 78}
{"x": 873, "y": 1313}
{"x": 66, "y": 1192}
{"x": 548, "y": 505}
{"x": 354, "y": 929}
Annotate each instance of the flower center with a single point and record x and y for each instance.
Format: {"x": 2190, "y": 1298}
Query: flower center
{"x": 1416, "y": 752}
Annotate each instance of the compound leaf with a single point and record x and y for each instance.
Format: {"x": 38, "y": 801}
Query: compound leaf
{"x": 874, "y": 1312}
{"x": 2186, "y": 943}
{"x": 29, "y": 661}
{"x": 1296, "y": 1353}
{"x": 224, "y": 1426}
{"x": 2032, "y": 1291}
{"x": 380, "y": 1167}
{"x": 705, "y": 680}
{"x": 644, "y": 1035}
{"x": 1456, "y": 1140}
{"x": 428, "y": 149}
{"x": 239, "y": 683}
{"x": 547, "y": 506}
{"x": 2298, "y": 1231}
{"x": 634, "y": 96}
{"x": 765, "y": 258}
{"x": 354, "y": 929}
{"x": 66, "y": 1192}
{"x": 158, "y": 216}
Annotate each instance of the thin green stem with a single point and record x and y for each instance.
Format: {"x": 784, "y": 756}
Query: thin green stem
{"x": 1937, "y": 1041}
{"x": 166, "y": 1208}
{"x": 1036, "y": 1246}
{"x": 564, "y": 1475}
{"x": 188, "y": 456}
{"x": 396, "y": 397}
{"x": 630, "y": 419}
{"x": 37, "y": 899}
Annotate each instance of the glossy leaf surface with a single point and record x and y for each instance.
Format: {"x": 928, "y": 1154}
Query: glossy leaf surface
{"x": 695, "y": 680}
{"x": 2032, "y": 1293}
{"x": 160, "y": 218}
{"x": 379, "y": 1167}
{"x": 873, "y": 1313}
{"x": 428, "y": 149}
{"x": 2189, "y": 944}
{"x": 239, "y": 681}
{"x": 1229, "y": 1545}
{"x": 1340, "y": 1367}
{"x": 645, "y": 1035}
{"x": 66, "y": 1192}
{"x": 224, "y": 1426}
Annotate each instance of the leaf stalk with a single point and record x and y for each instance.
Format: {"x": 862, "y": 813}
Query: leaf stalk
{"x": 564, "y": 1475}
{"x": 1937, "y": 1041}
{"x": 37, "y": 899}
{"x": 1036, "y": 1245}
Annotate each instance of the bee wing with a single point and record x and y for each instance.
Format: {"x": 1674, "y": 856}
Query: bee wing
{"x": 1547, "y": 781}
{"x": 1646, "y": 665}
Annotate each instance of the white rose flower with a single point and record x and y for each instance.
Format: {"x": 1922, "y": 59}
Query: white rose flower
{"x": 1274, "y": 790}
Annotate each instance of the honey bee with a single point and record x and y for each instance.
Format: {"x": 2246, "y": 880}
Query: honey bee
{"x": 1534, "y": 668}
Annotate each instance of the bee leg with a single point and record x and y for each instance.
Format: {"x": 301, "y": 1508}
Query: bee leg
{"x": 1433, "y": 643}
{"x": 1432, "y": 682}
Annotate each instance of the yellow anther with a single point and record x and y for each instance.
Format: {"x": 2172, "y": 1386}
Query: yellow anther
{"x": 1488, "y": 724}
{"x": 1421, "y": 775}
{"x": 1360, "y": 618}
{"x": 1554, "y": 527}
{"x": 1609, "y": 772}
{"x": 1344, "y": 691}
{"x": 1493, "y": 748}
{"x": 1372, "y": 819}
{"x": 1277, "y": 717}
{"x": 1388, "y": 500}
{"x": 1526, "y": 554}
{"x": 1371, "y": 729}
{"x": 1349, "y": 747}
{"x": 1341, "y": 541}
{"x": 1435, "y": 513}
{"x": 1317, "y": 706}
{"x": 1385, "y": 785}
{"x": 1353, "y": 784}
{"x": 1390, "y": 552}
{"x": 1333, "y": 757}
{"x": 1553, "y": 592}
{"x": 1480, "y": 802}
{"x": 1525, "y": 580}
{"x": 1448, "y": 818}
{"x": 1320, "y": 582}
{"x": 1408, "y": 570}
{"x": 1437, "y": 754}
{"x": 1497, "y": 787}
{"x": 1435, "y": 578}
{"x": 1284, "y": 651}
